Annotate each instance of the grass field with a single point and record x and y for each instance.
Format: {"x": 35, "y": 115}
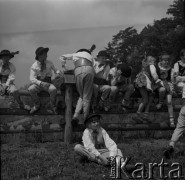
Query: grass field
{"x": 57, "y": 161}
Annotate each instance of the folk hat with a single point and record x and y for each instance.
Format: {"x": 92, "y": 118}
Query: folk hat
{"x": 125, "y": 70}
{"x": 103, "y": 53}
{"x": 84, "y": 50}
{"x": 40, "y": 50}
{"x": 91, "y": 117}
{"x": 8, "y": 53}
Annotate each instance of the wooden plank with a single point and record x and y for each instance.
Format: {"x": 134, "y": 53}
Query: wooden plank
{"x": 68, "y": 113}
{"x": 60, "y": 128}
{"x": 17, "y": 111}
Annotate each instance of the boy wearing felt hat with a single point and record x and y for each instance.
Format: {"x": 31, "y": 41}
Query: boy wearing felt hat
{"x": 97, "y": 146}
{"x": 40, "y": 76}
{"x": 7, "y": 77}
{"x": 119, "y": 77}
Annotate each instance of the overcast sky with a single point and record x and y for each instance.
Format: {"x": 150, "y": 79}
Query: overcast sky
{"x": 68, "y": 25}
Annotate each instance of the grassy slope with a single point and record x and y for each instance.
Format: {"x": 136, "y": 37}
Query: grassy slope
{"x": 55, "y": 160}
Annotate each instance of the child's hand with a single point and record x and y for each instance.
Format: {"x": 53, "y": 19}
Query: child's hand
{"x": 103, "y": 160}
{"x": 178, "y": 79}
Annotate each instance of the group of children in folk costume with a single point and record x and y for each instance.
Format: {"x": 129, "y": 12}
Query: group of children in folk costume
{"x": 153, "y": 77}
{"x": 97, "y": 145}
{"x": 40, "y": 77}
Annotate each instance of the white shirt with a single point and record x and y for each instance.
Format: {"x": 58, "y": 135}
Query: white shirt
{"x": 121, "y": 78}
{"x": 35, "y": 71}
{"x": 10, "y": 72}
{"x": 103, "y": 137}
{"x": 75, "y": 57}
{"x": 176, "y": 69}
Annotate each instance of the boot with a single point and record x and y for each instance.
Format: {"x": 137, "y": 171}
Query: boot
{"x": 168, "y": 152}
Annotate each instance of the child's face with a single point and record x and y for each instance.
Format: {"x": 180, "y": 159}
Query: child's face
{"x": 102, "y": 59}
{"x": 183, "y": 57}
{"x": 42, "y": 57}
{"x": 6, "y": 59}
{"x": 165, "y": 60}
{"x": 94, "y": 124}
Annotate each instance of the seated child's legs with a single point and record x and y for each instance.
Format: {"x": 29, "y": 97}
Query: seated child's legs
{"x": 170, "y": 109}
{"x": 34, "y": 90}
{"x": 113, "y": 92}
{"x": 128, "y": 89}
{"x": 162, "y": 94}
{"x": 105, "y": 89}
{"x": 80, "y": 150}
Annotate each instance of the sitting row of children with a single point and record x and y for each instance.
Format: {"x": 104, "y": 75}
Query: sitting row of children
{"x": 154, "y": 78}
{"x": 40, "y": 77}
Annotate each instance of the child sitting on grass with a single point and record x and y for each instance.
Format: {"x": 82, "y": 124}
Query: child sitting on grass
{"x": 97, "y": 145}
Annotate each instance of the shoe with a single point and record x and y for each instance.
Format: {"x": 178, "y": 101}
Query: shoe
{"x": 125, "y": 103}
{"x": 172, "y": 125}
{"x": 24, "y": 106}
{"x": 168, "y": 152}
{"x": 159, "y": 106}
{"x": 54, "y": 109}
{"x": 74, "y": 122}
{"x": 103, "y": 105}
{"x": 34, "y": 109}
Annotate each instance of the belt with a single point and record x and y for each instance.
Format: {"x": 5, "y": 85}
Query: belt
{"x": 46, "y": 79}
{"x": 82, "y": 62}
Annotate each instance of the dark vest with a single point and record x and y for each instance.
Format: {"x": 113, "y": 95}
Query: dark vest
{"x": 3, "y": 78}
{"x": 181, "y": 70}
{"x": 163, "y": 74}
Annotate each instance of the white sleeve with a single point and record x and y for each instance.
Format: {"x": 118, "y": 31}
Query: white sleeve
{"x": 11, "y": 76}
{"x": 88, "y": 144}
{"x": 176, "y": 68}
{"x": 154, "y": 73}
{"x": 110, "y": 144}
{"x": 33, "y": 76}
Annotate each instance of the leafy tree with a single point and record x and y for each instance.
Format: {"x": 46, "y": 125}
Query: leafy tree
{"x": 123, "y": 44}
{"x": 166, "y": 34}
{"x": 177, "y": 11}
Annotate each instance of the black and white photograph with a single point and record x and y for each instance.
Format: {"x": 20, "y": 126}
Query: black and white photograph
{"x": 92, "y": 89}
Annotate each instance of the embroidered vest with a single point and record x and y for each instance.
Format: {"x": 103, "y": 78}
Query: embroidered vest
{"x": 163, "y": 74}
{"x": 181, "y": 70}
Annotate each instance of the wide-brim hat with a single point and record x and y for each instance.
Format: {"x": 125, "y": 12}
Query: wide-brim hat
{"x": 7, "y": 53}
{"x": 126, "y": 70}
{"x": 103, "y": 53}
{"x": 84, "y": 50}
{"x": 40, "y": 50}
{"x": 90, "y": 118}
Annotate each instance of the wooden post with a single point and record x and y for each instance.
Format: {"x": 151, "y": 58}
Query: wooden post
{"x": 68, "y": 113}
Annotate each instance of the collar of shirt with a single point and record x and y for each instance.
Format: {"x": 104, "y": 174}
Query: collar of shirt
{"x": 181, "y": 63}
